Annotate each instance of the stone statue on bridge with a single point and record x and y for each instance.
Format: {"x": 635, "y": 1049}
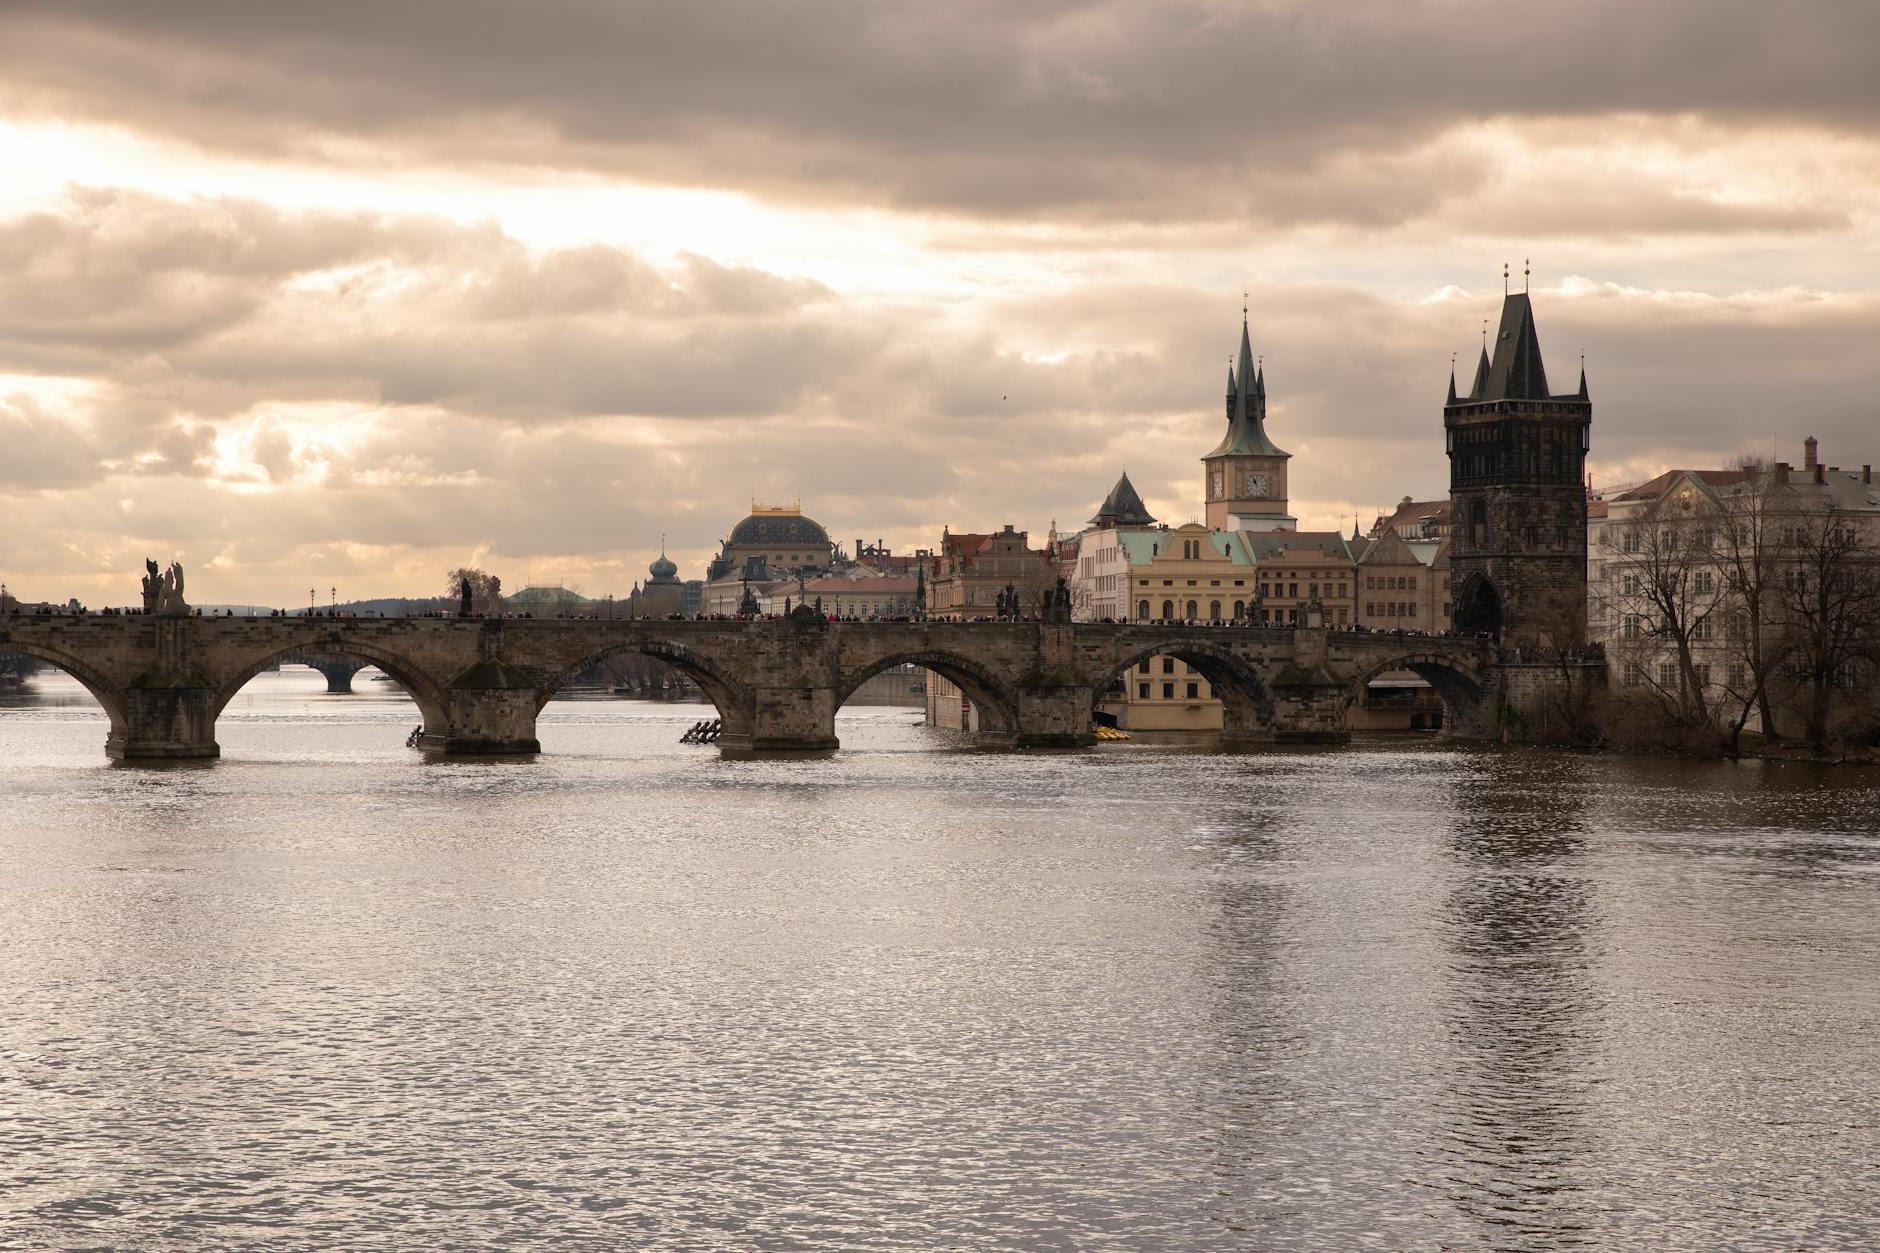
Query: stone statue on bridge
{"x": 463, "y": 597}
{"x": 163, "y": 593}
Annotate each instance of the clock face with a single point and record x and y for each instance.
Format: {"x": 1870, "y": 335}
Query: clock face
{"x": 1256, "y": 484}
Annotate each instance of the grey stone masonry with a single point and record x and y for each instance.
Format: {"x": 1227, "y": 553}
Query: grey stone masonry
{"x": 479, "y": 683}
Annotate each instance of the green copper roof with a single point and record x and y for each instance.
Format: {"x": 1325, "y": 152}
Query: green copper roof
{"x": 1246, "y": 420}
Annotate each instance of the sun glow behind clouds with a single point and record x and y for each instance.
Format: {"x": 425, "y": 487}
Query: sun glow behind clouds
{"x": 865, "y": 252}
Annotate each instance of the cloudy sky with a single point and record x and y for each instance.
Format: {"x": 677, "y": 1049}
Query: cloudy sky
{"x": 347, "y": 294}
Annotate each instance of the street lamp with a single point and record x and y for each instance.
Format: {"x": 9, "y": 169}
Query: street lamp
{"x": 311, "y": 593}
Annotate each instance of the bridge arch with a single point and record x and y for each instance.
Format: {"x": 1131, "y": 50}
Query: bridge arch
{"x": 991, "y": 695}
{"x": 1248, "y": 713}
{"x": 103, "y": 690}
{"x": 425, "y": 691}
{"x": 1459, "y": 685}
{"x": 729, "y": 697}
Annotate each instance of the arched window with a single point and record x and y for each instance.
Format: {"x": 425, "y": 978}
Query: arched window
{"x": 1240, "y": 610}
{"x": 1168, "y": 611}
{"x": 1214, "y": 611}
{"x": 1194, "y": 610}
{"x": 1142, "y": 610}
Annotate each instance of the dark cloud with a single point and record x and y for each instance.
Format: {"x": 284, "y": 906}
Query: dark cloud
{"x": 1147, "y": 110}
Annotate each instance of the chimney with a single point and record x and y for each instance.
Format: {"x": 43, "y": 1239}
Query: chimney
{"x": 1811, "y": 459}
{"x": 1866, "y": 474}
{"x": 1782, "y": 471}
{"x": 1821, "y": 473}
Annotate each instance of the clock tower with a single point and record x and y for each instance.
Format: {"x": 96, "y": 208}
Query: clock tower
{"x": 1244, "y": 479}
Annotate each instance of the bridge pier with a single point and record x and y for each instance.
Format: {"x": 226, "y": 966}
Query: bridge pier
{"x": 1310, "y": 707}
{"x": 339, "y": 675}
{"x": 489, "y": 709}
{"x": 164, "y": 723}
{"x": 1053, "y": 716}
{"x": 781, "y": 720}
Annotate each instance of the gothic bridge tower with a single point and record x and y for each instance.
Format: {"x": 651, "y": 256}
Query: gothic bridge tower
{"x": 1517, "y": 475}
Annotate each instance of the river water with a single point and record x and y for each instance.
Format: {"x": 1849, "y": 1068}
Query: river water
{"x": 327, "y": 994}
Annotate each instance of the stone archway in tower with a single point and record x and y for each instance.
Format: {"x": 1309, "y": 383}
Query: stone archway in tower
{"x": 1478, "y": 607}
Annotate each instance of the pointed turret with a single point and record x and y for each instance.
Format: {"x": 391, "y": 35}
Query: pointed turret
{"x": 1452, "y": 384}
{"x": 1581, "y": 394}
{"x": 1479, "y": 388}
{"x": 1122, "y": 507}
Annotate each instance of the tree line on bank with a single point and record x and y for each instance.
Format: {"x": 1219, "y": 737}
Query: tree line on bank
{"x": 1741, "y": 614}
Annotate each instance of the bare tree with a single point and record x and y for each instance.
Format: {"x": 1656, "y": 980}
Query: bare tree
{"x": 1829, "y": 601}
{"x": 1752, "y": 515}
{"x": 486, "y": 589}
{"x": 1665, "y": 588}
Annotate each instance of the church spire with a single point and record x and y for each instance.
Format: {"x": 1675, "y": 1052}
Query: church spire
{"x": 1246, "y": 405}
{"x": 1247, "y": 380}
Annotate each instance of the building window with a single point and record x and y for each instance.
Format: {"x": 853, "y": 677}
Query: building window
{"x": 1142, "y": 667}
{"x": 1634, "y": 674}
{"x": 1240, "y": 610}
{"x": 1631, "y": 627}
{"x": 1312, "y": 591}
{"x": 1194, "y": 691}
{"x": 1738, "y": 675}
{"x": 1702, "y": 670}
{"x": 1194, "y": 610}
{"x": 1142, "y": 610}
{"x": 1706, "y": 581}
{"x": 1168, "y": 665}
{"x": 1214, "y": 611}
{"x": 1168, "y": 611}
{"x": 1168, "y": 691}
{"x": 1142, "y": 691}
{"x": 1341, "y": 615}
{"x": 1700, "y": 629}
{"x": 1667, "y": 674}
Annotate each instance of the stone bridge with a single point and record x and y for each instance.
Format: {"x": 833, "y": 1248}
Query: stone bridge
{"x": 479, "y": 683}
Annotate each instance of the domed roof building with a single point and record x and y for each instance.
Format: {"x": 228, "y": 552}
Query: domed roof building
{"x": 776, "y": 538}
{"x": 663, "y": 593}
